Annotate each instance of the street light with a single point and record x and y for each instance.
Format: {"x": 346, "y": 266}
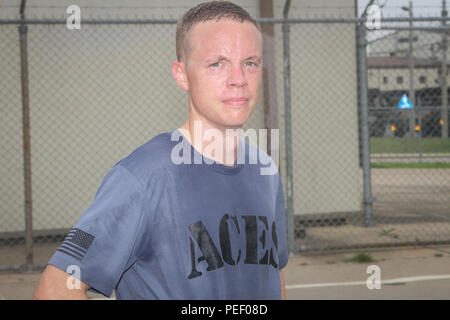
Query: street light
{"x": 411, "y": 72}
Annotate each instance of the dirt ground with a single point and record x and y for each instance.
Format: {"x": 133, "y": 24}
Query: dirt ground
{"x": 407, "y": 273}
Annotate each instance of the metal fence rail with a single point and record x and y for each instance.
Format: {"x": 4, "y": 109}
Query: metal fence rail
{"x": 359, "y": 171}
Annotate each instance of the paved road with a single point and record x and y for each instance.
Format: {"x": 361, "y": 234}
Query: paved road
{"x": 413, "y": 273}
{"x": 404, "y": 274}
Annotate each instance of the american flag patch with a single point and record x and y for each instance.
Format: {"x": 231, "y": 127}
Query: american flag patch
{"x": 76, "y": 243}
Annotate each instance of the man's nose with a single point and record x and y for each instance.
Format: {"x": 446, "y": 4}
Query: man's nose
{"x": 236, "y": 77}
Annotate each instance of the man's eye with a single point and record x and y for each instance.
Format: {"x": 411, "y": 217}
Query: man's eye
{"x": 215, "y": 64}
{"x": 251, "y": 64}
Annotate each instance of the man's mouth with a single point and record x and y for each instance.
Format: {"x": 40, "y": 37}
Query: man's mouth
{"x": 236, "y": 102}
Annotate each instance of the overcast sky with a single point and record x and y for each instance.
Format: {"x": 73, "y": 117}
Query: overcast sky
{"x": 391, "y": 8}
{"x": 420, "y": 7}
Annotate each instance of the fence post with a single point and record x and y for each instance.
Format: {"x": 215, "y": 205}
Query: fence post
{"x": 288, "y": 131}
{"x": 444, "y": 111}
{"x": 367, "y": 187}
{"x": 23, "y": 29}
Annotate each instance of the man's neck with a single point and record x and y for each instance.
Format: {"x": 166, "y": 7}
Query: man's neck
{"x": 205, "y": 137}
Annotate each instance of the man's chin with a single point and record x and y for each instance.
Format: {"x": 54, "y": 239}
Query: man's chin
{"x": 234, "y": 123}
{"x": 236, "y": 119}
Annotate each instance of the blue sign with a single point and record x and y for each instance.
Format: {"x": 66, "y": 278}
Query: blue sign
{"x": 405, "y": 103}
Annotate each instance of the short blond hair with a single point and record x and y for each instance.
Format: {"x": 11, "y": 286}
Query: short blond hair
{"x": 213, "y": 10}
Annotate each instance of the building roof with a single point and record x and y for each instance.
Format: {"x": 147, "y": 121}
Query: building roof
{"x": 385, "y": 36}
{"x": 400, "y": 62}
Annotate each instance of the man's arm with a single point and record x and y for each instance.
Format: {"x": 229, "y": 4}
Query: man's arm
{"x": 283, "y": 288}
{"x": 53, "y": 286}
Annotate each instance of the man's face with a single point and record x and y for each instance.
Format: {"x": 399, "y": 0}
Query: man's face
{"x": 223, "y": 70}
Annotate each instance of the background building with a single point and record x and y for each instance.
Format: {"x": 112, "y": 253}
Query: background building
{"x": 389, "y": 79}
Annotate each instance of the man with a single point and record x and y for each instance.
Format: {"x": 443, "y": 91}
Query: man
{"x": 160, "y": 228}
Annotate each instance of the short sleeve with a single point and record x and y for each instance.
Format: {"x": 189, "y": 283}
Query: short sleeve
{"x": 281, "y": 227}
{"x": 102, "y": 242}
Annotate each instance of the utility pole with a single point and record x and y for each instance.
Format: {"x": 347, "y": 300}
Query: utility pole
{"x": 290, "y": 220}
{"x": 369, "y": 220}
{"x": 269, "y": 74}
{"x": 444, "y": 112}
{"x": 23, "y": 32}
{"x": 412, "y": 120}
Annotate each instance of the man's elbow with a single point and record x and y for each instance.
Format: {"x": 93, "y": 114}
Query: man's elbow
{"x": 53, "y": 286}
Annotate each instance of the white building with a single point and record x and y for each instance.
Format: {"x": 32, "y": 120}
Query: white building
{"x": 426, "y": 45}
{"x": 391, "y": 73}
{"x": 388, "y": 61}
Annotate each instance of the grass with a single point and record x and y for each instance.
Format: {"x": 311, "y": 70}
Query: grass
{"x": 410, "y": 165}
{"x": 389, "y": 233}
{"x": 360, "y": 257}
{"x": 407, "y": 145}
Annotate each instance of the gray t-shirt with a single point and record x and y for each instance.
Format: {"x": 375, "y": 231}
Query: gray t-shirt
{"x": 161, "y": 230}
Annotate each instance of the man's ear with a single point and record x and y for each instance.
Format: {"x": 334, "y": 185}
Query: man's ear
{"x": 179, "y": 73}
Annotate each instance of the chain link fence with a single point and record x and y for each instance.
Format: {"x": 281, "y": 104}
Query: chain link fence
{"x": 96, "y": 94}
{"x": 398, "y": 192}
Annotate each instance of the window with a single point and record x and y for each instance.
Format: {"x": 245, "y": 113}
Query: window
{"x": 422, "y": 79}
{"x": 399, "y": 80}
{"x": 385, "y": 80}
